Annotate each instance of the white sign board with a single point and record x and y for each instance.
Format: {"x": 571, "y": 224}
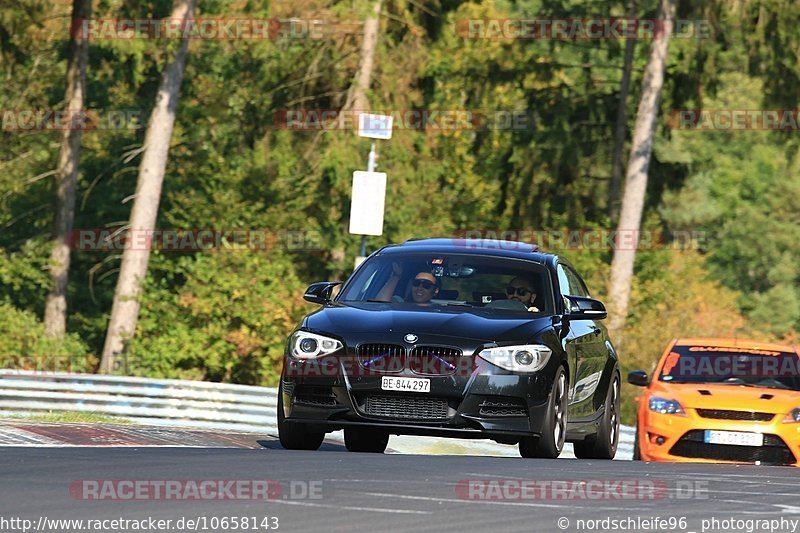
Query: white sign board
{"x": 375, "y": 126}
{"x": 366, "y": 206}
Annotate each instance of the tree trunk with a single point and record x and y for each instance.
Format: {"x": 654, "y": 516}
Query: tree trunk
{"x": 357, "y": 101}
{"x": 55, "y": 310}
{"x": 636, "y": 177}
{"x": 622, "y": 122}
{"x": 125, "y": 310}
{"x": 357, "y": 94}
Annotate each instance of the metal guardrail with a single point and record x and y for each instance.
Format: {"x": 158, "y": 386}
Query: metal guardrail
{"x": 172, "y": 402}
{"x": 154, "y": 401}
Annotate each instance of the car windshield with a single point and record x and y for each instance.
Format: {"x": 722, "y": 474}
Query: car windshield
{"x": 772, "y": 369}
{"x": 459, "y": 281}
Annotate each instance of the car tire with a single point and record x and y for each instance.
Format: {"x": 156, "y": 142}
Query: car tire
{"x": 604, "y": 444}
{"x": 365, "y": 440}
{"x": 554, "y": 429}
{"x": 637, "y": 453}
{"x": 296, "y": 436}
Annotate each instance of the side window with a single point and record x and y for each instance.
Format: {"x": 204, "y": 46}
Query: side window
{"x": 576, "y": 284}
{"x": 563, "y": 280}
{"x": 570, "y": 282}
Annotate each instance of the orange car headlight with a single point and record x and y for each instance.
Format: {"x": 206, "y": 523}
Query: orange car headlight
{"x": 666, "y": 407}
{"x": 793, "y": 417}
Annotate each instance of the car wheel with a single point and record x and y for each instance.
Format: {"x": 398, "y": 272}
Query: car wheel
{"x": 296, "y": 436}
{"x": 604, "y": 444}
{"x": 637, "y": 454}
{"x": 365, "y": 440}
{"x": 554, "y": 429}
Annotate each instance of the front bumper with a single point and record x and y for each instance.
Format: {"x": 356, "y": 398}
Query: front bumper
{"x": 479, "y": 400}
{"x": 681, "y": 439}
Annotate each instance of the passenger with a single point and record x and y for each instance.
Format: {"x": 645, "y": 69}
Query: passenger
{"x": 424, "y": 287}
{"x": 391, "y": 284}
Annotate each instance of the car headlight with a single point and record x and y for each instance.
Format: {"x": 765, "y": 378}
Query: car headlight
{"x": 523, "y": 358}
{"x": 792, "y": 417}
{"x": 666, "y": 407}
{"x": 306, "y": 345}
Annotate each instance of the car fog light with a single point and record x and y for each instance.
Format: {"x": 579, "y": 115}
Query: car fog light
{"x": 524, "y": 358}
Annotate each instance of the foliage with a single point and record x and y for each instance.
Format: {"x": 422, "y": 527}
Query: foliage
{"x": 224, "y": 315}
{"x": 673, "y": 297}
{"x": 23, "y": 345}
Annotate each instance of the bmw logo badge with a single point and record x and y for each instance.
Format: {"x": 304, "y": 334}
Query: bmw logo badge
{"x": 411, "y": 338}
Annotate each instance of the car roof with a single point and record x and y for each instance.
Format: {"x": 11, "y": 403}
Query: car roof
{"x": 720, "y": 342}
{"x": 490, "y": 247}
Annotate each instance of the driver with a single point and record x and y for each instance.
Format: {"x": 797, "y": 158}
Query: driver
{"x": 521, "y": 290}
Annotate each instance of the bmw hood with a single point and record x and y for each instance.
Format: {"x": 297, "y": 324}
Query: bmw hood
{"x": 436, "y": 322}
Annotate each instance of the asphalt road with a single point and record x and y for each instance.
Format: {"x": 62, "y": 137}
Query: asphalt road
{"x": 365, "y": 492}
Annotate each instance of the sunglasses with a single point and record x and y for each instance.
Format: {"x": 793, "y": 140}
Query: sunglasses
{"x": 520, "y": 291}
{"x": 424, "y": 283}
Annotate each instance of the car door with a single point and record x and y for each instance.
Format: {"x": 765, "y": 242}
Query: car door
{"x": 584, "y": 346}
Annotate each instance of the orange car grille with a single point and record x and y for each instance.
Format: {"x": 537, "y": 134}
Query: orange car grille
{"x": 774, "y": 450}
{"x": 721, "y": 414}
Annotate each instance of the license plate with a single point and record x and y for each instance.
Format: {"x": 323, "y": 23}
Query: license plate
{"x": 406, "y": 384}
{"x": 736, "y": 438}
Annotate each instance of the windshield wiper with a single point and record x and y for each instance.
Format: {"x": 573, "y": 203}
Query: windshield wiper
{"x": 459, "y": 304}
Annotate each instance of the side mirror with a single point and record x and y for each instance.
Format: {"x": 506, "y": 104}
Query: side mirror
{"x": 320, "y": 293}
{"x": 582, "y": 308}
{"x": 638, "y": 378}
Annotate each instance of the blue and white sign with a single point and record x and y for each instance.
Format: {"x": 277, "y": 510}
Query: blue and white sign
{"x": 375, "y": 126}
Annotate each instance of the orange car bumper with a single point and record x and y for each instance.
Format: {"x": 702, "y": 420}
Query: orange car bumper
{"x": 680, "y": 439}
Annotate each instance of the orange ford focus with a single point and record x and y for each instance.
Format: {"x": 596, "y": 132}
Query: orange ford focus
{"x": 720, "y": 400}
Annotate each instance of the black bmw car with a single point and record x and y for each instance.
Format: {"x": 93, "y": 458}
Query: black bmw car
{"x": 454, "y": 338}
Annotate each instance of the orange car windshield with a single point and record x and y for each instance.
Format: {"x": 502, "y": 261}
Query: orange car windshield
{"x": 735, "y": 366}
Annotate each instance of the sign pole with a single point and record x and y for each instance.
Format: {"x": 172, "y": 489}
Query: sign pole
{"x": 370, "y": 168}
{"x": 369, "y": 188}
